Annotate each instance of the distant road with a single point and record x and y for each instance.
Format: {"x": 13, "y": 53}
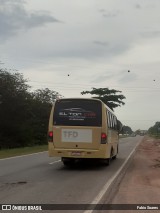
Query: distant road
{"x": 42, "y": 180}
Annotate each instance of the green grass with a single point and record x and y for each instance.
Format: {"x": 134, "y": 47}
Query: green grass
{"x": 156, "y": 136}
{"x": 6, "y": 153}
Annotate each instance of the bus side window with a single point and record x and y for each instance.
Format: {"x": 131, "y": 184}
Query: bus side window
{"x": 113, "y": 122}
{"x": 111, "y": 119}
{"x": 108, "y": 119}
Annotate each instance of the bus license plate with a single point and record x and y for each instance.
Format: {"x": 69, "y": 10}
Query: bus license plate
{"x": 76, "y": 153}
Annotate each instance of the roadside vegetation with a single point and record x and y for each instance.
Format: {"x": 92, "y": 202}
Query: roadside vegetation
{"x": 23, "y": 113}
{"x": 6, "y": 153}
{"x": 154, "y": 131}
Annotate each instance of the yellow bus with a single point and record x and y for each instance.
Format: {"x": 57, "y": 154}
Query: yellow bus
{"x": 82, "y": 128}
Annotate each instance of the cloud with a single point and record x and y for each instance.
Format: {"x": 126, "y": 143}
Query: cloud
{"x": 150, "y": 34}
{"x": 110, "y": 14}
{"x": 102, "y": 10}
{"x": 103, "y": 77}
{"x": 121, "y": 77}
{"x": 138, "y": 6}
{"x": 14, "y": 17}
{"x": 101, "y": 43}
{"x": 126, "y": 77}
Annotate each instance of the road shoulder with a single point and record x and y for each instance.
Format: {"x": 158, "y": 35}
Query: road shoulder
{"x": 141, "y": 182}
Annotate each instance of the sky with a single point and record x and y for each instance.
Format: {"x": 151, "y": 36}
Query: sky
{"x": 75, "y": 45}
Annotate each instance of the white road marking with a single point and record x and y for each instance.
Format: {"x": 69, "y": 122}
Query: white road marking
{"x": 55, "y": 161}
{"x": 23, "y": 155}
{"x": 110, "y": 181}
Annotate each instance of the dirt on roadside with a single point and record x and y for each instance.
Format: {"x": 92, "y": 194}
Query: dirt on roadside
{"x": 141, "y": 183}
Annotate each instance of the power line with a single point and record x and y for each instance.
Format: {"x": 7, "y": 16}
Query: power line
{"x": 78, "y": 84}
{"x": 83, "y": 87}
{"x": 53, "y": 83}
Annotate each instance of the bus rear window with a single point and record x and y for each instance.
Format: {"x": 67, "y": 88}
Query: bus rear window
{"x": 77, "y": 112}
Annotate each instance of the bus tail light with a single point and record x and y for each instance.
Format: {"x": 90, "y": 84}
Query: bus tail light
{"x": 103, "y": 138}
{"x": 50, "y": 136}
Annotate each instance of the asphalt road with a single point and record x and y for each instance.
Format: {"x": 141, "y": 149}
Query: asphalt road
{"x": 39, "y": 179}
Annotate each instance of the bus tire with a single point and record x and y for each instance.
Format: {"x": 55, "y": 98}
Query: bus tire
{"x": 115, "y": 156}
{"x": 68, "y": 161}
{"x": 107, "y": 161}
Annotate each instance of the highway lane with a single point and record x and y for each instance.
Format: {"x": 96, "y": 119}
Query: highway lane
{"x": 40, "y": 179}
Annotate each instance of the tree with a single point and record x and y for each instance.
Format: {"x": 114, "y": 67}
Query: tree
{"x": 120, "y": 127}
{"x": 41, "y": 106}
{"x": 13, "y": 110}
{"x": 23, "y": 115}
{"x": 138, "y": 131}
{"x": 155, "y": 130}
{"x": 127, "y": 130}
{"x": 108, "y": 96}
{"x": 45, "y": 95}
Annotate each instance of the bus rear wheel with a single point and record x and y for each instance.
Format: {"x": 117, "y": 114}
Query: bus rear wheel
{"x": 68, "y": 161}
{"x": 115, "y": 156}
{"x": 107, "y": 161}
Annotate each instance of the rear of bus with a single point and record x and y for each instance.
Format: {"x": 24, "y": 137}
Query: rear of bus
{"x": 78, "y": 129}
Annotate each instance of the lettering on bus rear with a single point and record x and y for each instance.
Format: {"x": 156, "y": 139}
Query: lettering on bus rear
{"x": 78, "y": 135}
{"x": 69, "y": 134}
{"x": 77, "y": 112}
